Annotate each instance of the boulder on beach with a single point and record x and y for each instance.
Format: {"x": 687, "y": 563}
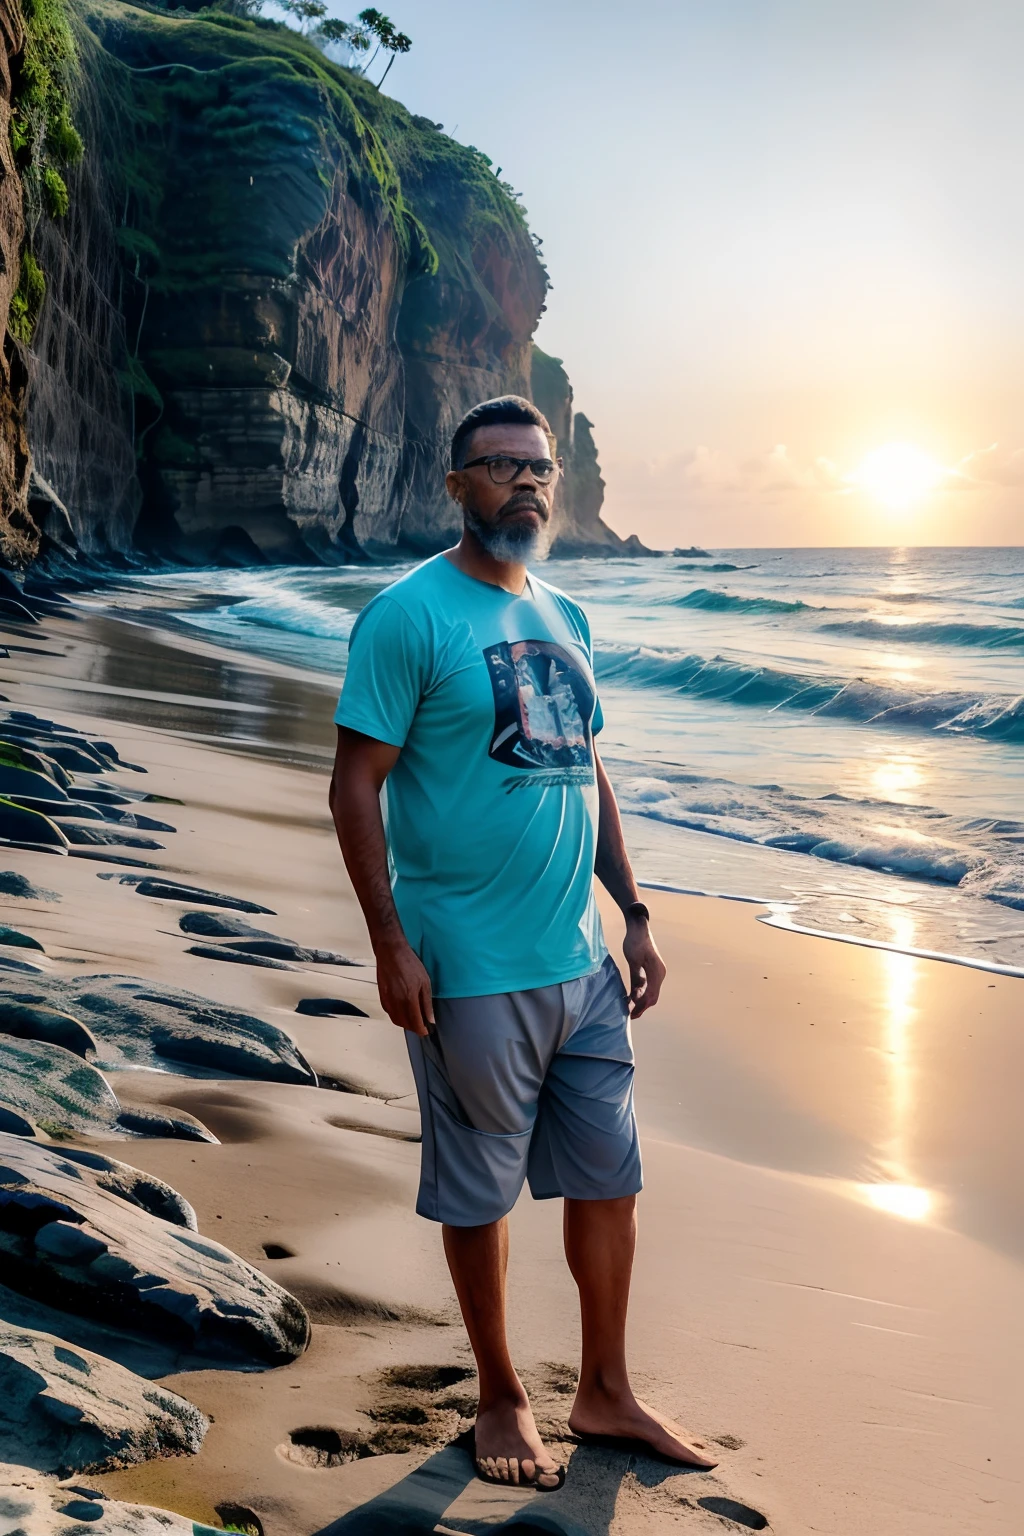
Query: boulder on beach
{"x": 28, "y": 784}
{"x": 55, "y": 1091}
{"x": 25, "y": 828}
{"x": 18, "y": 940}
{"x": 141, "y": 1023}
{"x": 36, "y": 1021}
{"x": 13, "y": 884}
{"x": 36, "y": 1507}
{"x": 220, "y": 925}
{"x": 328, "y": 1008}
{"x": 287, "y": 949}
{"x": 126, "y": 838}
{"x": 174, "y": 890}
{"x": 144, "y": 1190}
{"x": 69, "y": 1243}
{"x": 65, "y": 1410}
{"x": 223, "y": 952}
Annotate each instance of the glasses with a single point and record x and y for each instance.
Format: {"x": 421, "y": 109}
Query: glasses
{"x": 504, "y": 470}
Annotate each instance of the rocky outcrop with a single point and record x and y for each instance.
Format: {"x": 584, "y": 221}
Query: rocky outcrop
{"x": 65, "y": 1410}
{"x": 272, "y": 296}
{"x": 33, "y": 1507}
{"x": 140, "y": 1023}
{"x": 72, "y": 1243}
{"x": 44, "y": 1087}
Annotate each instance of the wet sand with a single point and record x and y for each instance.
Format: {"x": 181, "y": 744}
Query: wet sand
{"x": 829, "y": 1278}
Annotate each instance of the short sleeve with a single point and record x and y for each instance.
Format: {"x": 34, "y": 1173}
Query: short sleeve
{"x": 582, "y": 624}
{"x": 388, "y": 666}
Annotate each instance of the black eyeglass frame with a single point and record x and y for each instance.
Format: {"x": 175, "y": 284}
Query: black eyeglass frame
{"x": 520, "y": 464}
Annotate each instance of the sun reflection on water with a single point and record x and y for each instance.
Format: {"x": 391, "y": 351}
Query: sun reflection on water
{"x": 896, "y": 1192}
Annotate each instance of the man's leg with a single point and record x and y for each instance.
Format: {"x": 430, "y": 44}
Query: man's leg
{"x": 506, "y": 1435}
{"x": 600, "y": 1236}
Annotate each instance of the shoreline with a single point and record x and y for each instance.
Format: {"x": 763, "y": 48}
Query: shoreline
{"x": 809, "y": 1332}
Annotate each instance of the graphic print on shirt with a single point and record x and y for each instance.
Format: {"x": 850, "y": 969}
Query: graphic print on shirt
{"x": 543, "y": 706}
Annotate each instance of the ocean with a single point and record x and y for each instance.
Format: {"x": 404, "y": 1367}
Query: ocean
{"x": 838, "y": 734}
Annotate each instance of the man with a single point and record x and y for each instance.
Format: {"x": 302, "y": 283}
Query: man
{"x": 470, "y": 692}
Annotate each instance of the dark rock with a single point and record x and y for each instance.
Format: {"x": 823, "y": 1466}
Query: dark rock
{"x": 39, "y": 1509}
{"x": 105, "y": 835}
{"x": 172, "y": 890}
{"x": 9, "y": 609}
{"x": 328, "y": 1008}
{"x": 285, "y": 949}
{"x": 7, "y": 963}
{"x": 222, "y": 952}
{"x": 93, "y": 795}
{"x": 36, "y": 1021}
{"x": 17, "y": 754}
{"x": 27, "y": 784}
{"x": 141, "y": 1120}
{"x": 77, "y": 757}
{"x": 54, "y": 1088}
{"x": 65, "y": 1410}
{"x": 217, "y": 925}
{"x": 59, "y": 1093}
{"x": 18, "y": 940}
{"x": 142, "y": 1189}
{"x": 693, "y": 553}
{"x": 96, "y": 855}
{"x": 13, "y": 884}
{"x": 149, "y": 1278}
{"x": 29, "y": 829}
{"x": 144, "y": 1023}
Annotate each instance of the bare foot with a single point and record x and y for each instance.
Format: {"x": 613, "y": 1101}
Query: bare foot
{"x": 624, "y": 1417}
{"x": 509, "y": 1449}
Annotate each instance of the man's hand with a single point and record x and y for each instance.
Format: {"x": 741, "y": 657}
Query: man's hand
{"x": 404, "y": 987}
{"x": 646, "y": 967}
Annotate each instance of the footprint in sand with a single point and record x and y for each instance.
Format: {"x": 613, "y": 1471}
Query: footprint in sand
{"x": 416, "y": 1408}
{"x": 731, "y": 1509}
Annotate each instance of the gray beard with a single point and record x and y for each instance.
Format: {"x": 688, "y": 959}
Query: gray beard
{"x": 516, "y": 545}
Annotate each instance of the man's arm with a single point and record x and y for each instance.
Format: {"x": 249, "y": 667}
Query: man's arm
{"x": 611, "y": 865}
{"x": 361, "y": 765}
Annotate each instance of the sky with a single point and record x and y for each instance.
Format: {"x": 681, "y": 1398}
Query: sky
{"x": 782, "y": 235}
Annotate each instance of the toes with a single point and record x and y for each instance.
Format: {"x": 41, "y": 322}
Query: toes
{"x": 528, "y": 1469}
{"x": 501, "y": 1462}
{"x": 513, "y": 1470}
{"x": 487, "y": 1468}
{"x": 551, "y": 1479}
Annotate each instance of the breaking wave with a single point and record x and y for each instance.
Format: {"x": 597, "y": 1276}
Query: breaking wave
{"x": 710, "y": 601}
{"x": 991, "y": 637}
{"x": 996, "y": 716}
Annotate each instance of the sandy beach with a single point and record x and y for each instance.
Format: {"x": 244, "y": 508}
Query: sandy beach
{"x": 830, "y": 1266}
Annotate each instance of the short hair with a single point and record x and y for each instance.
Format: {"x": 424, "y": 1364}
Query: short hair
{"x": 506, "y": 410}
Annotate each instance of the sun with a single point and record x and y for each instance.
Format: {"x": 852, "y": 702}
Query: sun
{"x": 899, "y": 475}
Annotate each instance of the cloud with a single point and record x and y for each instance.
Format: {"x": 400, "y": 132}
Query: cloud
{"x": 709, "y": 474}
{"x": 989, "y": 466}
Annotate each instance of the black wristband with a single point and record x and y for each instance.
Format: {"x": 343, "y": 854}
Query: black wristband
{"x": 636, "y": 909}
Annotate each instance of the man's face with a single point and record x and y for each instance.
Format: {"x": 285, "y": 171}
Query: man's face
{"x": 521, "y": 509}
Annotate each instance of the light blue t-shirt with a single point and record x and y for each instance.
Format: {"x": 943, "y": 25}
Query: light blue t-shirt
{"x": 492, "y": 805}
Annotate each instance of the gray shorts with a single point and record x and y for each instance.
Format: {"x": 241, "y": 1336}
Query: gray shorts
{"x": 535, "y": 1084}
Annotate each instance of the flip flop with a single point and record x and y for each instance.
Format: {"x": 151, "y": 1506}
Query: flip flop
{"x": 489, "y": 1470}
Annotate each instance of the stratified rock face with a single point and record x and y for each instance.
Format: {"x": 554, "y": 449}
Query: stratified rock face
{"x": 30, "y": 1506}
{"x": 66, "y": 1410}
{"x": 68, "y": 1241}
{"x": 274, "y": 296}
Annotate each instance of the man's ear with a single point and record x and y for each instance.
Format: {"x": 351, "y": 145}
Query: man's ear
{"x": 454, "y": 485}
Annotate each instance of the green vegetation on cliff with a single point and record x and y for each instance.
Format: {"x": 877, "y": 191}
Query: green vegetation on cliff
{"x": 44, "y": 140}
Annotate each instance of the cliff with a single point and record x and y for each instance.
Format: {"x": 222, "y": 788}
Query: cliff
{"x": 273, "y": 293}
